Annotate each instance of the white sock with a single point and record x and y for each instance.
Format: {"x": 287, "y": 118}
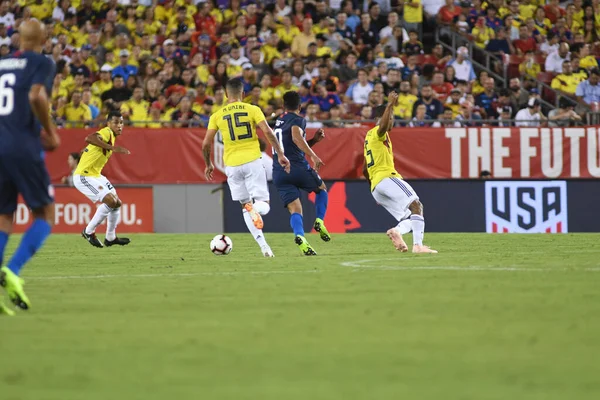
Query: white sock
{"x": 111, "y": 226}
{"x": 418, "y": 228}
{"x": 256, "y": 233}
{"x": 101, "y": 213}
{"x": 404, "y": 226}
{"x": 262, "y": 207}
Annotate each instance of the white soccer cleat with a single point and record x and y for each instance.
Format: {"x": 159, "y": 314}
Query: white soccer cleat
{"x": 267, "y": 252}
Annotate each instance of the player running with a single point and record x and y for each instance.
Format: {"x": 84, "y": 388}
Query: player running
{"x": 88, "y": 179}
{"x": 387, "y": 186}
{"x": 25, "y": 85}
{"x": 289, "y": 130}
{"x": 246, "y": 177}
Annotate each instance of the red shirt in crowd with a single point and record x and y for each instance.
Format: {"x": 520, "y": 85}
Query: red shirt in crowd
{"x": 525, "y": 45}
{"x": 447, "y": 15}
{"x": 443, "y": 90}
{"x": 553, "y": 13}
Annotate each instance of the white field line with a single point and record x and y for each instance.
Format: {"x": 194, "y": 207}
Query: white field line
{"x": 362, "y": 265}
{"x": 163, "y": 275}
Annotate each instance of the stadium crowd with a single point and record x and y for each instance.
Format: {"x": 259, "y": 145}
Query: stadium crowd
{"x": 164, "y": 63}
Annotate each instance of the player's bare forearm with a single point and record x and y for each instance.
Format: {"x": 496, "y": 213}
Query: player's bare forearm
{"x": 366, "y": 172}
{"x": 206, "y": 154}
{"x": 386, "y": 120}
{"x": 301, "y": 142}
{"x": 40, "y": 106}
{"x": 207, "y": 145}
{"x": 95, "y": 140}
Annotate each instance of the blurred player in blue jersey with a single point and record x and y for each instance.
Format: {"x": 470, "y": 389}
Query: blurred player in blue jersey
{"x": 289, "y": 130}
{"x": 25, "y": 85}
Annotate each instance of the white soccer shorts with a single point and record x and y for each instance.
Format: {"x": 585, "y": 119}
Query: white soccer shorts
{"x": 395, "y": 195}
{"x": 94, "y": 188}
{"x": 248, "y": 182}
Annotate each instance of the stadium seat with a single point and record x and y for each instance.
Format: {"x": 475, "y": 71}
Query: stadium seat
{"x": 514, "y": 61}
{"x": 546, "y": 77}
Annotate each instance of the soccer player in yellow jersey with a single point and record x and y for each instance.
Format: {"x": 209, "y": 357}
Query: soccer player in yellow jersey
{"x": 246, "y": 176}
{"x": 387, "y": 186}
{"x": 88, "y": 179}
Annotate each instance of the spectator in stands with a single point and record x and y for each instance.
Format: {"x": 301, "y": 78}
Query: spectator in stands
{"x": 115, "y": 96}
{"x": 389, "y": 59}
{"x": 312, "y": 120}
{"x": 76, "y": 114}
{"x": 421, "y": 119}
{"x": 450, "y": 75}
{"x": 588, "y": 91}
{"x": 550, "y": 45}
{"x": 554, "y": 11}
{"x": 366, "y": 34}
{"x": 184, "y": 116}
{"x": 561, "y": 30}
{"x": 542, "y": 24}
{"x": 301, "y": 42}
{"x": 525, "y": 42}
{"x": 454, "y": 101}
{"x": 462, "y": 66}
{"x": 358, "y": 93}
{"x": 440, "y": 87}
{"x": 366, "y": 112}
{"x": 590, "y": 34}
{"x": 72, "y": 161}
{"x": 530, "y": 116}
{"x": 157, "y": 120}
{"x": 554, "y": 61}
{"x": 482, "y": 33}
{"x": 500, "y": 45}
{"x": 487, "y": 98}
{"x": 529, "y": 68}
{"x": 566, "y": 83}
{"x": 377, "y": 19}
{"x": 77, "y": 65}
{"x": 124, "y": 68}
{"x": 286, "y": 85}
{"x": 326, "y": 78}
{"x": 386, "y": 34}
{"x": 352, "y": 20}
{"x": 335, "y": 117}
{"x": 518, "y": 97}
{"x": 411, "y": 68}
{"x": 413, "y": 15}
{"x": 512, "y": 28}
{"x": 446, "y": 119}
{"x": 448, "y": 13}
{"x": 392, "y": 83}
{"x": 505, "y": 118}
{"x": 564, "y": 115}
{"x": 586, "y": 61}
{"x": 406, "y": 101}
{"x": 248, "y": 77}
{"x": 413, "y": 46}
{"x": 433, "y": 107}
{"x": 349, "y": 71}
{"x": 326, "y": 99}
{"x": 86, "y": 98}
{"x": 135, "y": 110}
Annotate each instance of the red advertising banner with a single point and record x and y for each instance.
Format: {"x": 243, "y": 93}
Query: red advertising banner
{"x": 73, "y": 211}
{"x": 175, "y": 155}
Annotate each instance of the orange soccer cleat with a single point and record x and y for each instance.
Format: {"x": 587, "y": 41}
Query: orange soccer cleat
{"x": 396, "y": 238}
{"x": 256, "y": 218}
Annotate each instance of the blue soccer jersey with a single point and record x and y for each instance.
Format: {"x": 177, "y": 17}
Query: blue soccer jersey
{"x": 19, "y": 128}
{"x": 301, "y": 176}
{"x": 22, "y": 167}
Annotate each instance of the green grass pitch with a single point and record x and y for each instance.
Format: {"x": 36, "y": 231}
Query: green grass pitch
{"x": 490, "y": 317}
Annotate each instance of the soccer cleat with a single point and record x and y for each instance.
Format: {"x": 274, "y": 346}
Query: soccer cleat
{"x": 92, "y": 239}
{"x": 320, "y": 227}
{"x": 14, "y": 287}
{"x": 305, "y": 248}
{"x": 423, "y": 249}
{"x": 256, "y": 218}
{"x": 4, "y": 310}
{"x": 397, "y": 240}
{"x": 119, "y": 241}
{"x": 267, "y": 252}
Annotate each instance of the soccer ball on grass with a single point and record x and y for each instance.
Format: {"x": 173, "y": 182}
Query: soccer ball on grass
{"x": 221, "y": 245}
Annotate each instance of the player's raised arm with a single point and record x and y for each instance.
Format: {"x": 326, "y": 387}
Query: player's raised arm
{"x": 319, "y": 135}
{"x": 299, "y": 141}
{"x": 387, "y": 119}
{"x": 268, "y": 132}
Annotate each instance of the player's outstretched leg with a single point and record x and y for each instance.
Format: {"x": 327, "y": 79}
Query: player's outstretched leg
{"x": 321, "y": 200}
{"x": 31, "y": 242}
{"x": 259, "y": 208}
{"x": 111, "y": 238}
{"x": 297, "y": 224}
{"x": 418, "y": 228}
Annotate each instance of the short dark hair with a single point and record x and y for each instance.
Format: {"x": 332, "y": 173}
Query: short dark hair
{"x": 291, "y": 101}
{"x": 235, "y": 85}
{"x": 113, "y": 114}
{"x": 379, "y": 110}
{"x": 595, "y": 71}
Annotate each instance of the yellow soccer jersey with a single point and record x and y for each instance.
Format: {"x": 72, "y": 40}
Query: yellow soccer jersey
{"x": 379, "y": 157}
{"x": 95, "y": 158}
{"x": 237, "y": 123}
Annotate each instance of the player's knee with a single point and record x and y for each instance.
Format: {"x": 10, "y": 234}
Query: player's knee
{"x": 416, "y": 207}
{"x": 118, "y": 203}
{"x": 46, "y": 213}
{"x": 295, "y": 207}
{"x": 262, "y": 207}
